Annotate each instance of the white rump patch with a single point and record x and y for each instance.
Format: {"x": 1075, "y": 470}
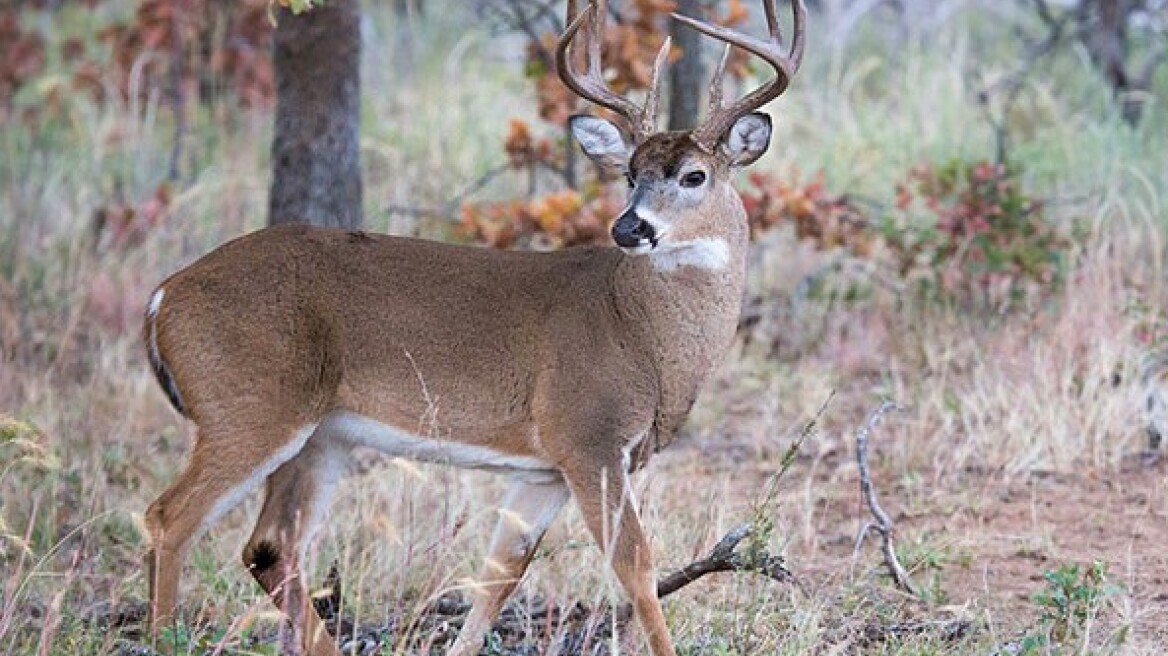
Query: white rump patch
{"x": 152, "y": 347}
{"x": 155, "y": 303}
{"x": 705, "y": 253}
{"x": 152, "y": 315}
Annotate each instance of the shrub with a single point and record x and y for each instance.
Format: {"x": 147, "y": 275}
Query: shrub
{"x": 825, "y": 219}
{"x": 1073, "y": 597}
{"x": 965, "y": 231}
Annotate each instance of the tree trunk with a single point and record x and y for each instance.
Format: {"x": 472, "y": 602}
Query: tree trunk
{"x": 1105, "y": 35}
{"x": 409, "y": 9}
{"x": 316, "y": 172}
{"x": 687, "y": 76}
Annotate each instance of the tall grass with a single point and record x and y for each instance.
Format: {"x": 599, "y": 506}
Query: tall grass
{"x": 93, "y": 441}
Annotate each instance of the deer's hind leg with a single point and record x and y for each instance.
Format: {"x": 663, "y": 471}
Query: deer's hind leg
{"x": 224, "y": 467}
{"x": 297, "y": 495}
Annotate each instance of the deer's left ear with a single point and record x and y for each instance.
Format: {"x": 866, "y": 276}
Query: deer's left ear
{"x": 748, "y": 139}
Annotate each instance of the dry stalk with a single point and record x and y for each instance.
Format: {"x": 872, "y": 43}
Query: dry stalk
{"x": 883, "y": 524}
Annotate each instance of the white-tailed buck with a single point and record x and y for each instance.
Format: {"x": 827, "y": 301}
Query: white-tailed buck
{"x": 565, "y": 371}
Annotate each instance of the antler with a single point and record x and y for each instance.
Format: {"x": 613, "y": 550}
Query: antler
{"x": 721, "y": 118}
{"x": 641, "y": 121}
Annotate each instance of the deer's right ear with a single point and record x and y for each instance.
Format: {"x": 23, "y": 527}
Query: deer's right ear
{"x": 601, "y": 140}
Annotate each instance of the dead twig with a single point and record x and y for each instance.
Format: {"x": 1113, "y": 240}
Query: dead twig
{"x": 883, "y": 524}
{"x": 449, "y": 209}
{"x": 724, "y": 557}
{"x": 947, "y": 631}
{"x": 1009, "y": 88}
{"x": 532, "y": 18}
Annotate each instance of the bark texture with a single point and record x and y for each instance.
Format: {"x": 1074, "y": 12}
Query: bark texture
{"x": 687, "y": 76}
{"x": 316, "y": 169}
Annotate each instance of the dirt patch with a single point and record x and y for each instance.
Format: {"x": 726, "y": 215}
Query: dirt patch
{"x": 1026, "y": 528}
{"x": 982, "y": 542}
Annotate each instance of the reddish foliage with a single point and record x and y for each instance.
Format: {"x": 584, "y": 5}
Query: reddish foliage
{"x": 525, "y": 151}
{"x": 221, "y": 46}
{"x": 982, "y": 238}
{"x": 121, "y": 224}
{"x": 631, "y": 46}
{"x": 827, "y": 220}
{"x": 22, "y": 57}
{"x": 557, "y": 220}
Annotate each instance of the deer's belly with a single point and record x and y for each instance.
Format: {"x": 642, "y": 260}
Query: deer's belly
{"x": 363, "y": 431}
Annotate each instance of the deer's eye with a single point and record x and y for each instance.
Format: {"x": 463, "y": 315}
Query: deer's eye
{"x": 693, "y": 179}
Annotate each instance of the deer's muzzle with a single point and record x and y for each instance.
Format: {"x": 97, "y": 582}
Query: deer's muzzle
{"x": 631, "y": 231}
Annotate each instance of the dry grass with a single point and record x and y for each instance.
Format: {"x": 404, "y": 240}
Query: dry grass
{"x": 1017, "y": 453}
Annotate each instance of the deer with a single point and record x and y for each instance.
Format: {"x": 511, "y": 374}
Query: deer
{"x": 564, "y": 371}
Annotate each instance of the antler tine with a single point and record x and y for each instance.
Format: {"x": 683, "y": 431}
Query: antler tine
{"x": 573, "y": 15}
{"x": 716, "y": 81}
{"x": 591, "y": 86}
{"x": 653, "y": 98}
{"x": 596, "y": 38}
{"x": 771, "y": 10}
{"x": 770, "y": 51}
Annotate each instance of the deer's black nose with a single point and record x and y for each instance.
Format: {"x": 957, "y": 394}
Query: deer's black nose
{"x": 631, "y": 231}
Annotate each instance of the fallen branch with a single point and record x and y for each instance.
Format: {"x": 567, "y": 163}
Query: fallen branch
{"x": 948, "y": 631}
{"x": 883, "y": 524}
{"x": 725, "y": 558}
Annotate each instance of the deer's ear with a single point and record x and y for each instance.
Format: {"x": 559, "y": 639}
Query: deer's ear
{"x": 748, "y": 139}
{"x": 601, "y": 140}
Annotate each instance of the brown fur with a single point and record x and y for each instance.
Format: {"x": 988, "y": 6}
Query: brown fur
{"x": 574, "y": 358}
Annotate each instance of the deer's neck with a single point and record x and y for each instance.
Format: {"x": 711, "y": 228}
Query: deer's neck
{"x": 689, "y": 297}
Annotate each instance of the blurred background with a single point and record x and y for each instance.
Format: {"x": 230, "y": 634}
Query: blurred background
{"x": 963, "y": 210}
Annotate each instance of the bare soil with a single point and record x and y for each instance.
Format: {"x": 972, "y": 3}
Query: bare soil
{"x": 993, "y": 536}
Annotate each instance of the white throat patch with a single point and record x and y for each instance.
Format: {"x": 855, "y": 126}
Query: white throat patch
{"x": 704, "y": 253}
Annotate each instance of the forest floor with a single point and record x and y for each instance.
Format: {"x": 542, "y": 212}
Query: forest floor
{"x": 1027, "y": 511}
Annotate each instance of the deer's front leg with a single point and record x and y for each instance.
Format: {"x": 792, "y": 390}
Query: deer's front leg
{"x": 605, "y": 498}
{"x": 528, "y": 509}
